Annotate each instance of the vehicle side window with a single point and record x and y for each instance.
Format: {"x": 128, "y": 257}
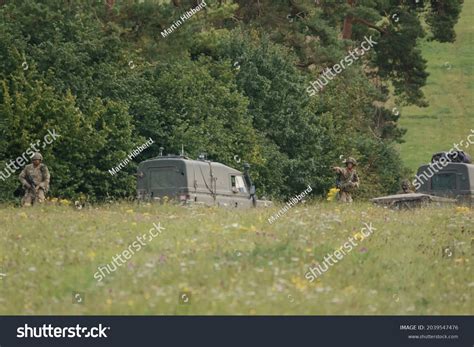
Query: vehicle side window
{"x": 240, "y": 184}
{"x": 237, "y": 183}
{"x": 445, "y": 181}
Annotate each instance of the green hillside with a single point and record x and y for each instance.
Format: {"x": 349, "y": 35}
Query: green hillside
{"x": 449, "y": 91}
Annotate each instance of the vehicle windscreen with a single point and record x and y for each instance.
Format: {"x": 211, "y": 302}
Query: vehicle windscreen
{"x": 163, "y": 177}
{"x": 444, "y": 181}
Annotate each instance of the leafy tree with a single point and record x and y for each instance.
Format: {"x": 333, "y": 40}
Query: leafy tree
{"x": 308, "y": 27}
{"x": 48, "y": 83}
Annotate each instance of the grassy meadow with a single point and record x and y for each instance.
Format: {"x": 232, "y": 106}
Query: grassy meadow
{"x": 235, "y": 262}
{"x": 450, "y": 93}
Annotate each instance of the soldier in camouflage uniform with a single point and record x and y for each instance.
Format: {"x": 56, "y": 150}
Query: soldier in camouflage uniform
{"x": 38, "y": 174}
{"x": 406, "y": 188}
{"x": 348, "y": 180}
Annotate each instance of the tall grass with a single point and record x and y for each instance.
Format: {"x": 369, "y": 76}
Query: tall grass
{"x": 235, "y": 262}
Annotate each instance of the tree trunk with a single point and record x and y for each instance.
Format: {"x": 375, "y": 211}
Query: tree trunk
{"x": 347, "y": 29}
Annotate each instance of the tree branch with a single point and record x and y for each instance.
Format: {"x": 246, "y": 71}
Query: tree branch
{"x": 370, "y": 25}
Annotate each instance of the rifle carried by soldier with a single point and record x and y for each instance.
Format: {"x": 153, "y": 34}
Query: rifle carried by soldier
{"x": 32, "y": 184}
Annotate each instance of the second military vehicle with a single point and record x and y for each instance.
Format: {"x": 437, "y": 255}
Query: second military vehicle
{"x": 441, "y": 181}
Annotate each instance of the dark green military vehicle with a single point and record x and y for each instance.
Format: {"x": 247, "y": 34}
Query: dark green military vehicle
{"x": 449, "y": 183}
{"x": 455, "y": 180}
{"x": 201, "y": 181}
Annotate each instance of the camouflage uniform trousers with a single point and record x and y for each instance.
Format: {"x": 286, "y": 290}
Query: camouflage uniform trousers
{"x": 344, "y": 196}
{"x": 29, "y": 198}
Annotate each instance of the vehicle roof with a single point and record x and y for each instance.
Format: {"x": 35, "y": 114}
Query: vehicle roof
{"x": 191, "y": 162}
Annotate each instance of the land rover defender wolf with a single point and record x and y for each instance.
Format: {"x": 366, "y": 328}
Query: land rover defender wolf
{"x": 201, "y": 181}
{"x": 455, "y": 180}
{"x": 448, "y": 183}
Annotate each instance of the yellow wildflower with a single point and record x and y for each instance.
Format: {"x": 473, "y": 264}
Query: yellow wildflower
{"x": 299, "y": 283}
{"x": 332, "y": 193}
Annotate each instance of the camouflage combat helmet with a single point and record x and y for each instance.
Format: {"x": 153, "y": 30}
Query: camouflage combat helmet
{"x": 37, "y": 156}
{"x": 350, "y": 160}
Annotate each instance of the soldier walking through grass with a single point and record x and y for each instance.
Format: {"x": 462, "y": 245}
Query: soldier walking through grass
{"x": 347, "y": 180}
{"x": 35, "y": 180}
